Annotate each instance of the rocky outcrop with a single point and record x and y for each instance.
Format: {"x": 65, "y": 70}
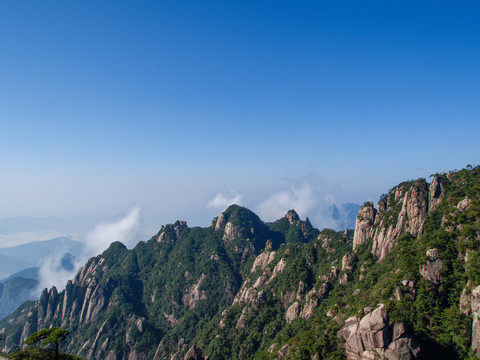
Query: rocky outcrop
{"x": 220, "y": 222}
{"x": 171, "y": 232}
{"x": 293, "y": 219}
{"x": 470, "y": 305}
{"x": 371, "y": 337}
{"x": 431, "y": 271}
{"x": 348, "y": 262}
{"x": 194, "y": 294}
{"x": 292, "y": 312}
{"x": 436, "y": 192}
{"x": 312, "y": 300}
{"x": 248, "y": 292}
{"x": 231, "y": 231}
{"x": 194, "y": 353}
{"x": 464, "y": 204}
{"x": 403, "y": 210}
{"x": 263, "y": 260}
{"x": 80, "y": 304}
{"x": 363, "y": 225}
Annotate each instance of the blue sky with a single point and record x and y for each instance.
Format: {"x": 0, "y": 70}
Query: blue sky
{"x": 169, "y": 105}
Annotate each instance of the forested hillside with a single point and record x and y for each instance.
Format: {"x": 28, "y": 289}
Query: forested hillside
{"x": 405, "y": 284}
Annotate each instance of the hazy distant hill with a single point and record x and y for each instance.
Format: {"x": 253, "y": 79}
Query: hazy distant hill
{"x": 344, "y": 215}
{"x": 33, "y": 252}
{"x": 46, "y": 224}
{"x": 21, "y": 286}
{"x": 14, "y": 292}
{"x": 10, "y": 265}
{"x": 19, "y": 266}
{"x": 17, "y": 258}
{"x": 29, "y": 273}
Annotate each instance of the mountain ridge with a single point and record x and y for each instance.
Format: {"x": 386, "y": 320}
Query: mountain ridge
{"x": 242, "y": 288}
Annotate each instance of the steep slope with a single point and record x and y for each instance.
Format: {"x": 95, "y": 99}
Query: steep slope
{"x": 162, "y": 290}
{"x": 22, "y": 286}
{"x": 415, "y": 255}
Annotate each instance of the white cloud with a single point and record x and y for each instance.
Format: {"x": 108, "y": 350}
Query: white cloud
{"x": 300, "y": 198}
{"x": 329, "y": 198}
{"x": 51, "y": 272}
{"x": 221, "y": 201}
{"x": 98, "y": 240}
{"x": 104, "y": 234}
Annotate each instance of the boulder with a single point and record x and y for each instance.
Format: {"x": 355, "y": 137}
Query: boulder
{"x": 371, "y": 337}
{"x": 292, "y": 312}
{"x": 431, "y": 271}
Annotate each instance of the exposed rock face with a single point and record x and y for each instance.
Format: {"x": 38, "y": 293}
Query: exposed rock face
{"x": 470, "y": 305}
{"x": 413, "y": 207}
{"x": 220, "y": 222}
{"x": 371, "y": 337}
{"x": 292, "y": 312}
{"x": 436, "y": 192}
{"x": 230, "y": 232}
{"x": 83, "y": 300}
{"x": 194, "y": 293}
{"x": 464, "y": 204}
{"x": 363, "y": 225}
{"x": 263, "y": 260}
{"x": 403, "y": 210}
{"x": 248, "y": 293}
{"x": 313, "y": 299}
{"x": 292, "y": 217}
{"x": 348, "y": 261}
{"x": 171, "y": 232}
{"x": 431, "y": 271}
{"x": 194, "y": 353}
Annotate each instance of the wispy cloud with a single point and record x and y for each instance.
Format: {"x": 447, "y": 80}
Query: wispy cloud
{"x": 51, "y": 272}
{"x": 301, "y": 198}
{"x": 220, "y": 201}
{"x": 104, "y": 234}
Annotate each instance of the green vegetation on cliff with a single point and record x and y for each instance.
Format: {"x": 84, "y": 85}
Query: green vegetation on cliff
{"x": 245, "y": 289}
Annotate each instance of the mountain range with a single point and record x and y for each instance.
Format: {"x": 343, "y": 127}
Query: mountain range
{"x": 404, "y": 284}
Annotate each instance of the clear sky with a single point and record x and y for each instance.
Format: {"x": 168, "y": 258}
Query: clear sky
{"x": 180, "y": 107}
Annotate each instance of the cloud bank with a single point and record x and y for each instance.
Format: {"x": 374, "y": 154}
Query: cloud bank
{"x": 300, "y": 198}
{"x": 51, "y": 273}
{"x": 221, "y": 202}
{"x": 104, "y": 234}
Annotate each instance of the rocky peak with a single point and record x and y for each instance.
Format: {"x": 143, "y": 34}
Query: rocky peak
{"x": 404, "y": 209}
{"x": 171, "y": 232}
{"x": 363, "y": 225}
{"x": 292, "y": 216}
